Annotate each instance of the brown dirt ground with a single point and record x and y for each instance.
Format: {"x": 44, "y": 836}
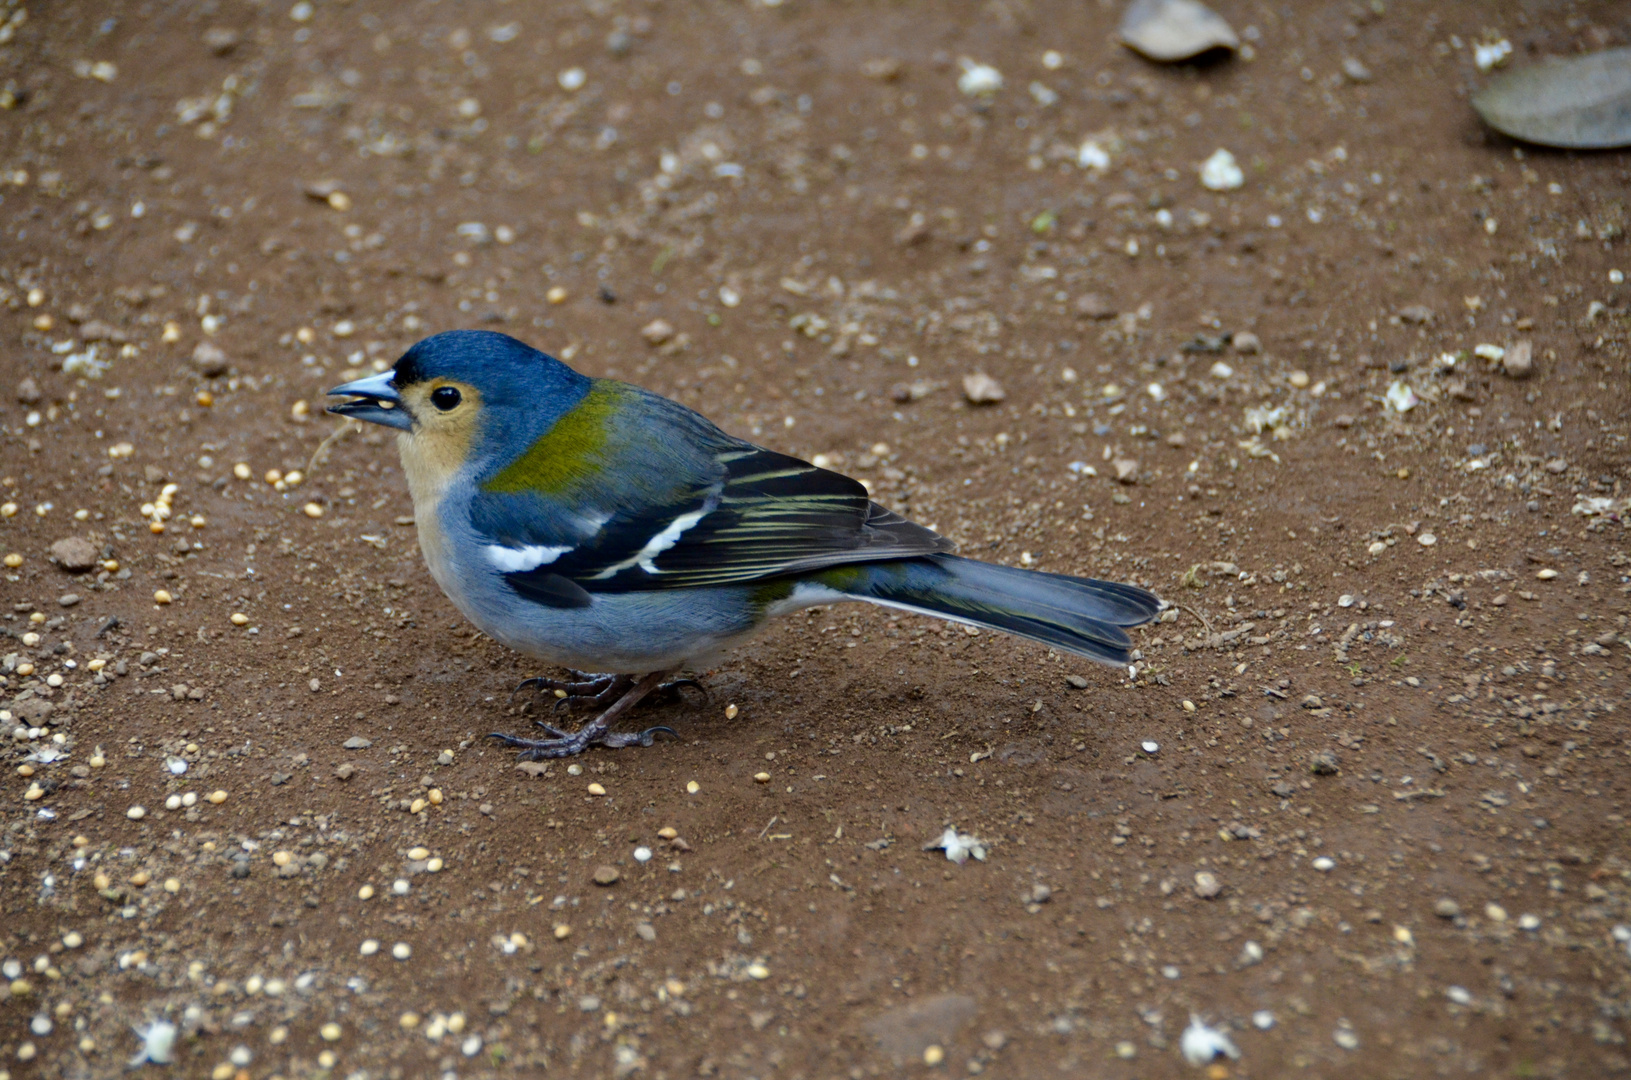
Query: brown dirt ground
{"x": 1443, "y": 902}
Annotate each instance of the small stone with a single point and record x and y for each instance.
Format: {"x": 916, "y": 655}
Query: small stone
{"x": 606, "y": 875}
{"x": 1518, "y": 362}
{"x": 1221, "y": 172}
{"x": 657, "y": 331}
{"x": 1417, "y": 314}
{"x": 1355, "y": 70}
{"x": 357, "y": 742}
{"x": 1323, "y": 763}
{"x": 209, "y": 360}
{"x": 1077, "y": 682}
{"x": 1445, "y": 908}
{"x": 221, "y": 40}
{"x": 1126, "y": 470}
{"x": 67, "y": 599}
{"x": 136, "y": 813}
{"x": 1207, "y": 885}
{"x": 1094, "y": 306}
{"x": 28, "y": 392}
{"x": 1247, "y": 343}
{"x": 75, "y": 554}
{"x": 1172, "y": 30}
{"x": 981, "y": 389}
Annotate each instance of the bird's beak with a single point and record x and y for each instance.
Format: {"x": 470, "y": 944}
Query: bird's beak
{"x": 375, "y": 400}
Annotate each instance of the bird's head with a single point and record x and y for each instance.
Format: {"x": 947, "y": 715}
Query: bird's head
{"x": 464, "y": 392}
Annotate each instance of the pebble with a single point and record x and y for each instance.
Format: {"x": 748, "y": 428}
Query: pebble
{"x": 136, "y": 813}
{"x": 1150, "y": 746}
{"x": 74, "y": 554}
{"x": 1345, "y": 1038}
{"x": 758, "y": 971}
{"x": 981, "y": 389}
{"x": 1221, "y": 172}
{"x": 606, "y": 875}
{"x": 1426, "y": 539}
{"x": 1262, "y": 1019}
{"x": 1324, "y": 864}
{"x": 1545, "y": 575}
{"x": 1518, "y": 362}
{"x": 642, "y": 854}
{"x": 1207, "y": 885}
{"x": 1446, "y": 908}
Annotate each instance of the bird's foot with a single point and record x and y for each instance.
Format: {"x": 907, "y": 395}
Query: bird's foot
{"x": 598, "y": 731}
{"x": 569, "y": 744}
{"x": 583, "y": 688}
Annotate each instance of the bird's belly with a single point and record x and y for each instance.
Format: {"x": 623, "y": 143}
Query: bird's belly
{"x": 621, "y": 632}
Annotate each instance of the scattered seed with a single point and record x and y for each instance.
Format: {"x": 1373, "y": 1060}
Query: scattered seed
{"x": 401, "y": 950}
{"x": 136, "y": 813}
{"x": 668, "y": 832}
{"x": 1150, "y": 746}
{"x": 1545, "y": 575}
{"x": 217, "y": 797}
{"x": 642, "y": 854}
{"x": 562, "y": 931}
{"x": 331, "y": 1031}
{"x": 596, "y": 789}
{"x": 692, "y": 787}
{"x": 933, "y": 1055}
{"x": 1324, "y": 863}
{"x": 365, "y": 893}
{"x": 761, "y": 777}
{"x": 312, "y": 510}
{"x": 418, "y": 853}
{"x": 757, "y": 970}
{"x": 162, "y": 596}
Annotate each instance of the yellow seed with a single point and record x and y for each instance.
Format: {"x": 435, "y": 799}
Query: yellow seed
{"x": 274, "y": 475}
{"x": 101, "y": 881}
{"x": 36, "y": 297}
{"x": 156, "y": 527}
{"x": 34, "y": 793}
{"x": 293, "y": 477}
{"x": 418, "y": 853}
{"x": 239, "y": 619}
{"x": 557, "y": 295}
{"x": 172, "y": 332}
{"x": 339, "y": 200}
{"x": 668, "y": 832}
{"x": 98, "y": 664}
{"x": 305, "y": 335}
{"x": 758, "y": 971}
{"x": 326, "y": 1059}
{"x": 25, "y": 669}
{"x": 162, "y": 596}
{"x": 435, "y": 796}
{"x": 299, "y": 410}
{"x": 136, "y": 813}
{"x": 82, "y": 841}
{"x": 330, "y": 1032}
{"x": 204, "y": 398}
{"x": 282, "y": 858}
{"x": 222, "y": 1071}
{"x": 44, "y": 322}
{"x": 218, "y": 797}
{"x": 933, "y": 1055}
{"x": 73, "y": 939}
{"x": 417, "y": 806}
{"x": 762, "y": 777}
{"x": 408, "y": 1021}
{"x": 111, "y": 565}
{"x": 25, "y": 769}
{"x": 692, "y": 787}
{"x": 242, "y": 471}
{"x": 97, "y": 760}
{"x": 8, "y": 509}
{"x": 434, "y": 864}
{"x": 312, "y": 510}
{"x": 1189, "y": 706}
{"x": 14, "y": 560}
{"x": 562, "y": 931}
{"x": 596, "y": 789}
{"x": 140, "y": 878}
{"x": 172, "y": 885}
{"x": 365, "y": 893}
{"x": 730, "y": 712}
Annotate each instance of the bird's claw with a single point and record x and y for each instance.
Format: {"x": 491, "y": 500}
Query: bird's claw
{"x": 562, "y": 744}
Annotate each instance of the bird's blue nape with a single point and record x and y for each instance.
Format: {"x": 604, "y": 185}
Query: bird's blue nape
{"x": 523, "y": 391}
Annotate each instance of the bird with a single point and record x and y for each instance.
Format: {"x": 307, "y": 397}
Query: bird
{"x": 601, "y": 527}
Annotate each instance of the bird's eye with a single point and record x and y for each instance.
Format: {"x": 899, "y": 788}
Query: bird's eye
{"x": 445, "y": 398}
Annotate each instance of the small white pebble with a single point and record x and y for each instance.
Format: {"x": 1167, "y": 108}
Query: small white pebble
{"x": 642, "y": 854}
{"x": 1150, "y": 746}
{"x": 758, "y": 971}
{"x": 1221, "y": 172}
{"x": 1459, "y": 994}
{"x": 401, "y": 887}
{"x": 1527, "y": 921}
{"x": 136, "y": 813}
{"x": 572, "y": 78}
{"x": 1324, "y": 863}
{"x": 1262, "y": 1019}
{"x": 1200, "y": 1043}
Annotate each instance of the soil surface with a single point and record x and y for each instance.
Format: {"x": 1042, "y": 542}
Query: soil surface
{"x": 1361, "y": 807}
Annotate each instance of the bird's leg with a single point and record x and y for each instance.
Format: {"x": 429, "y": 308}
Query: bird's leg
{"x": 583, "y": 687}
{"x": 595, "y": 732}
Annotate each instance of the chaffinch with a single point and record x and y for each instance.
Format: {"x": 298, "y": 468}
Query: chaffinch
{"x": 602, "y": 527}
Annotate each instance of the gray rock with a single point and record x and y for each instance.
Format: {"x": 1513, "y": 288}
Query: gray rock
{"x": 1171, "y": 30}
{"x": 28, "y": 391}
{"x": 74, "y": 554}
{"x": 357, "y": 742}
{"x": 209, "y": 360}
{"x": 1519, "y": 360}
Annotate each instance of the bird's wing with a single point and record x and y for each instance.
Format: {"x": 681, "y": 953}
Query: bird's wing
{"x": 734, "y": 513}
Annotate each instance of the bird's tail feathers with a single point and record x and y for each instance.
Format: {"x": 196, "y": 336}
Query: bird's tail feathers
{"x": 1078, "y": 615}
